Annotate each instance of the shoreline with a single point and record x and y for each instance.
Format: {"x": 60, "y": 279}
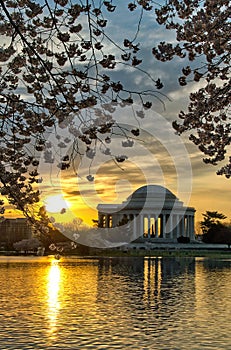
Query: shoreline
{"x": 213, "y": 253}
{"x": 152, "y": 253}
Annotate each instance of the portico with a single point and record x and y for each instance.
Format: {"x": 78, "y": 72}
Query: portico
{"x": 153, "y": 212}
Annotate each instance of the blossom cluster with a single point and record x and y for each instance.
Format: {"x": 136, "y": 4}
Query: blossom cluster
{"x": 56, "y": 62}
{"x": 202, "y": 31}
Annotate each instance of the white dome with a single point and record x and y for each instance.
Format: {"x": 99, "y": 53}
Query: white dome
{"x": 151, "y": 195}
{"x": 152, "y": 191}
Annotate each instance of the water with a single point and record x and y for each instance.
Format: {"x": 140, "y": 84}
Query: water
{"x": 115, "y": 303}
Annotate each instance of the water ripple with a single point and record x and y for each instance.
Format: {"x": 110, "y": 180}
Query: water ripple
{"x": 167, "y": 304}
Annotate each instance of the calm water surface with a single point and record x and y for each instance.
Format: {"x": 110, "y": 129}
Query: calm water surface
{"x": 115, "y": 303}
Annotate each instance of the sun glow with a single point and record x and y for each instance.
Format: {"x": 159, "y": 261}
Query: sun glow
{"x": 55, "y": 204}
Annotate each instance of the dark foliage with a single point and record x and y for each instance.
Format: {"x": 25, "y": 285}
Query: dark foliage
{"x": 183, "y": 239}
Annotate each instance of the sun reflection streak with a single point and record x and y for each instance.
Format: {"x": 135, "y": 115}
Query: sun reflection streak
{"x": 53, "y": 287}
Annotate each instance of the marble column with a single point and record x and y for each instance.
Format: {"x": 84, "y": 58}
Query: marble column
{"x": 182, "y": 226}
{"x": 189, "y": 226}
{"x": 107, "y": 220}
{"x": 170, "y": 219}
{"x": 142, "y": 224}
{"x": 192, "y": 227}
{"x": 164, "y": 226}
{"x": 156, "y": 227}
{"x": 186, "y": 222}
{"x": 134, "y": 234}
{"x": 149, "y": 226}
{"x": 177, "y": 226}
{"x": 100, "y": 220}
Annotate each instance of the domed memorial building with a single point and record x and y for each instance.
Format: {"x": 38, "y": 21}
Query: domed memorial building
{"x": 152, "y": 212}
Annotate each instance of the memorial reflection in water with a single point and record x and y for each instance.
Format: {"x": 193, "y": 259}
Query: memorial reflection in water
{"x": 115, "y": 303}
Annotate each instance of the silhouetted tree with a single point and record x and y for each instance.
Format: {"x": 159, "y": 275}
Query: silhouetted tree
{"x": 211, "y": 219}
{"x": 214, "y": 231}
{"x": 202, "y": 31}
{"x": 219, "y": 234}
{"x": 27, "y": 245}
{"x": 57, "y": 59}
{"x": 225, "y": 236}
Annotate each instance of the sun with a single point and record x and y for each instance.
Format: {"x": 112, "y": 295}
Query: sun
{"x": 55, "y": 204}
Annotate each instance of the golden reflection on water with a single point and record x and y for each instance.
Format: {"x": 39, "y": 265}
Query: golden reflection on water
{"x": 209, "y": 279}
{"x": 76, "y": 282}
{"x": 152, "y": 278}
{"x": 53, "y": 287}
{"x": 115, "y": 303}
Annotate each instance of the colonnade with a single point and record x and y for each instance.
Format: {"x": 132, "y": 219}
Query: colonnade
{"x": 166, "y": 225}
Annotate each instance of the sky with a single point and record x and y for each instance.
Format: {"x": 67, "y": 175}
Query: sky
{"x": 158, "y": 156}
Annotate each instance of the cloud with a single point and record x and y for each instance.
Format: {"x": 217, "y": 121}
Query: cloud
{"x": 86, "y": 192}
